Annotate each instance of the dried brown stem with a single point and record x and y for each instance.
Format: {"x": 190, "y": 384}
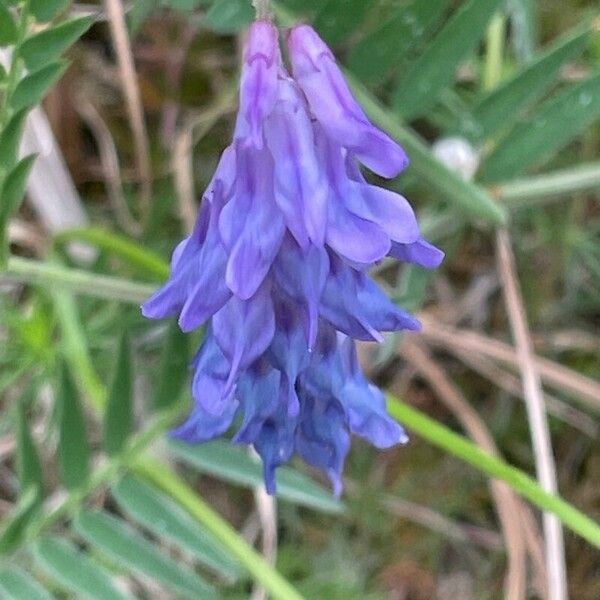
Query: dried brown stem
{"x": 508, "y": 505}
{"x": 552, "y": 373}
{"x": 536, "y": 411}
{"x": 118, "y": 27}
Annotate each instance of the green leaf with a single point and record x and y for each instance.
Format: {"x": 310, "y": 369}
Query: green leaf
{"x": 147, "y": 261}
{"x": 163, "y": 477}
{"x": 10, "y": 139}
{"x": 174, "y": 367}
{"x": 18, "y": 585}
{"x": 556, "y": 123}
{"x": 223, "y": 460}
{"x": 46, "y": 10}
{"x": 229, "y": 16}
{"x": 501, "y": 107}
{"x": 28, "y": 461}
{"x": 33, "y": 87}
{"x": 382, "y": 50}
{"x": 8, "y": 27}
{"x": 118, "y": 540}
{"x": 523, "y": 24}
{"x": 166, "y": 519}
{"x": 468, "y": 198}
{"x": 420, "y": 88}
{"x": 12, "y": 192}
{"x": 75, "y": 571}
{"x": 16, "y": 522}
{"x": 441, "y": 436}
{"x": 13, "y": 188}
{"x": 118, "y": 418}
{"x": 48, "y": 45}
{"x": 73, "y": 446}
{"x": 338, "y": 18}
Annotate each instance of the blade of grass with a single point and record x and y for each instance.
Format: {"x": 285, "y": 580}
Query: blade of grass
{"x": 442, "y": 437}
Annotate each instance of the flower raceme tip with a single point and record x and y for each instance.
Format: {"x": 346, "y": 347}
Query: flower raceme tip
{"x": 276, "y": 266}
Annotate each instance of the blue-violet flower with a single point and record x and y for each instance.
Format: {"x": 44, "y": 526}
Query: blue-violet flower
{"x": 277, "y": 265}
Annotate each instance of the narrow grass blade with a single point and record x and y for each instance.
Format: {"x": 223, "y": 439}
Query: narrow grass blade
{"x": 75, "y": 571}
{"x": 174, "y": 367}
{"x": 442, "y": 437}
{"x": 117, "y": 539}
{"x": 231, "y": 463}
{"x": 557, "y": 122}
{"x": 73, "y": 446}
{"x": 501, "y": 107}
{"x": 118, "y": 416}
{"x": 382, "y": 50}
{"x": 158, "y": 513}
{"x": 29, "y": 466}
{"x": 420, "y": 88}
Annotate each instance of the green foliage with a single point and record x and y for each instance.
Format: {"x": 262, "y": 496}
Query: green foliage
{"x": 232, "y": 463}
{"x": 49, "y": 44}
{"x": 75, "y": 571}
{"x": 15, "y": 584}
{"x": 557, "y": 122}
{"x": 119, "y": 541}
{"x": 155, "y": 511}
{"x": 8, "y": 27}
{"x": 174, "y": 368}
{"x": 381, "y": 51}
{"x": 46, "y": 10}
{"x": 118, "y": 417}
{"x": 434, "y": 69}
{"x": 32, "y": 88}
{"x": 228, "y": 16}
{"x": 28, "y": 461}
{"x": 500, "y": 107}
{"x": 73, "y": 445}
{"x": 412, "y": 50}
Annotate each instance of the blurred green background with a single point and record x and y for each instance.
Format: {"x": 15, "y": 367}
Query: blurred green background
{"x": 514, "y": 90}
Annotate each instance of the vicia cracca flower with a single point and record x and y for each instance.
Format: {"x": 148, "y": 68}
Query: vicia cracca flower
{"x": 276, "y": 266}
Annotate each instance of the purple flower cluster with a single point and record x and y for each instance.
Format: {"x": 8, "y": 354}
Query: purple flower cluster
{"x": 277, "y": 265}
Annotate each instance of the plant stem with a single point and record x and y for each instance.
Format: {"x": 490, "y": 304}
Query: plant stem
{"x": 162, "y": 477}
{"x": 495, "y": 51}
{"x": 262, "y": 8}
{"x": 102, "y": 286}
{"x": 455, "y": 444}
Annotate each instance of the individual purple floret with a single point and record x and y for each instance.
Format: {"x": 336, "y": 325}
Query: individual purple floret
{"x": 276, "y": 267}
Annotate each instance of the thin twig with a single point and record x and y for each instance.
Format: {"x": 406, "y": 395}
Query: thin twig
{"x": 110, "y": 165}
{"x": 556, "y": 375}
{"x": 511, "y": 384}
{"x": 538, "y": 423}
{"x": 266, "y": 507}
{"x": 133, "y": 100}
{"x": 182, "y": 165}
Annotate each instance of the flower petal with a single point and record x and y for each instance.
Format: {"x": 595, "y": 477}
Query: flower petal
{"x": 336, "y": 109}
{"x": 421, "y": 252}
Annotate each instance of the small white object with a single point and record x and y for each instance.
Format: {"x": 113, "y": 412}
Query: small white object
{"x": 459, "y": 155}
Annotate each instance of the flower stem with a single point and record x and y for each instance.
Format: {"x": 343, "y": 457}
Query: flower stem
{"x": 263, "y": 8}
